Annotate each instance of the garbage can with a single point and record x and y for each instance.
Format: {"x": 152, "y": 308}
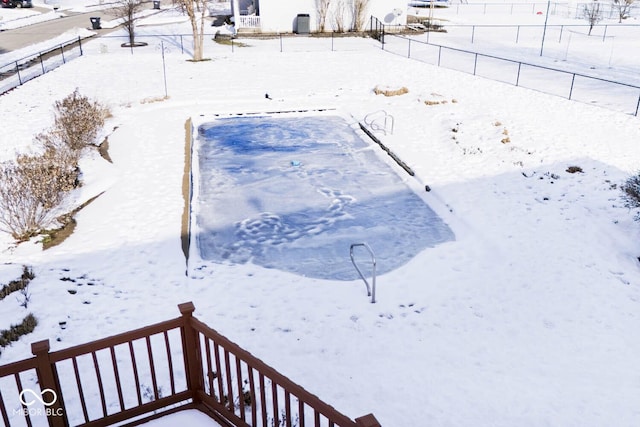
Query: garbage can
{"x": 95, "y": 22}
{"x": 156, "y": 4}
{"x": 302, "y": 23}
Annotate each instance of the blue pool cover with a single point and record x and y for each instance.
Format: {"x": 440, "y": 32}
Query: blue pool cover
{"x": 294, "y": 193}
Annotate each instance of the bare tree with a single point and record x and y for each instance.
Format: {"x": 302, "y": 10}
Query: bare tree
{"x": 359, "y": 14}
{"x": 623, "y": 7}
{"x": 196, "y": 11}
{"x": 128, "y": 11}
{"x": 322, "y": 9}
{"x": 592, "y": 13}
{"x": 339, "y": 12}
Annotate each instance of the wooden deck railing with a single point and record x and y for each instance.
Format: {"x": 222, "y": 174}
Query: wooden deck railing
{"x": 152, "y": 371}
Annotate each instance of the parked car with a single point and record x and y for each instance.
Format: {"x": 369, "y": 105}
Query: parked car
{"x": 16, "y": 3}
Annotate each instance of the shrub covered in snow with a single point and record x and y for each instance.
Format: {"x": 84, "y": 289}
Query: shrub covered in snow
{"x": 33, "y": 185}
{"x": 631, "y": 192}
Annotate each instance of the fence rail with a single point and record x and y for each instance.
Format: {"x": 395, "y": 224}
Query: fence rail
{"x": 153, "y": 371}
{"x": 19, "y": 71}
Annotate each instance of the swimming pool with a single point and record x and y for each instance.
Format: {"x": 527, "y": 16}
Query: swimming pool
{"x": 294, "y": 192}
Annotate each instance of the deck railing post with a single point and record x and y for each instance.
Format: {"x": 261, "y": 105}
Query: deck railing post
{"x": 50, "y": 394}
{"x": 367, "y": 421}
{"x": 191, "y": 351}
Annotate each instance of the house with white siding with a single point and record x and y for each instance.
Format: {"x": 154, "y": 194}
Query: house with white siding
{"x": 285, "y": 16}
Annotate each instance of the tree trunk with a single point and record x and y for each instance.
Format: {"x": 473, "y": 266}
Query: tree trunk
{"x": 197, "y": 25}
{"x": 197, "y": 41}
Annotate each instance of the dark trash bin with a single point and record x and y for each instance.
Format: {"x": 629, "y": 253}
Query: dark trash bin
{"x": 156, "y": 4}
{"x": 95, "y": 22}
{"x": 302, "y": 23}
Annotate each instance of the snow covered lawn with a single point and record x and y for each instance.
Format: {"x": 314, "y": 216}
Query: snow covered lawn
{"x": 530, "y": 317}
{"x": 191, "y": 418}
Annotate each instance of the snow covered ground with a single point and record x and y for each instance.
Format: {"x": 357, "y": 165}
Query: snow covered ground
{"x": 567, "y": 46}
{"x": 191, "y": 418}
{"x": 529, "y": 317}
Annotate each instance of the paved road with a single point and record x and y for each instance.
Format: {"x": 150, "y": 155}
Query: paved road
{"x": 36, "y": 33}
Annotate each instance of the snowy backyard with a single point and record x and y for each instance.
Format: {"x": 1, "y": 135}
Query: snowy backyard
{"x": 525, "y": 313}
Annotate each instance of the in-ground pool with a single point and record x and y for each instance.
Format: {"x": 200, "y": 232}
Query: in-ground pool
{"x": 294, "y": 192}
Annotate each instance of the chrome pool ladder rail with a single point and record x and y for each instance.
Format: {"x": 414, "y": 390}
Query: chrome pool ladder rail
{"x": 371, "y": 291}
{"x": 373, "y": 121}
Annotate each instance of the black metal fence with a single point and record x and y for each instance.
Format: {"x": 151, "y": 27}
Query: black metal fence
{"x": 574, "y": 86}
{"x": 516, "y": 33}
{"x": 567, "y": 9}
{"x": 604, "y": 92}
{"x": 19, "y": 71}
{"x": 376, "y": 29}
{"x": 183, "y": 43}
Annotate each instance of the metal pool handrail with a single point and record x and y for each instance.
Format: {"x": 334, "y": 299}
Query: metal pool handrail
{"x": 371, "y": 291}
{"x": 372, "y": 120}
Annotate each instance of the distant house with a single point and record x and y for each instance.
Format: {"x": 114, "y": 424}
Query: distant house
{"x": 284, "y": 16}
